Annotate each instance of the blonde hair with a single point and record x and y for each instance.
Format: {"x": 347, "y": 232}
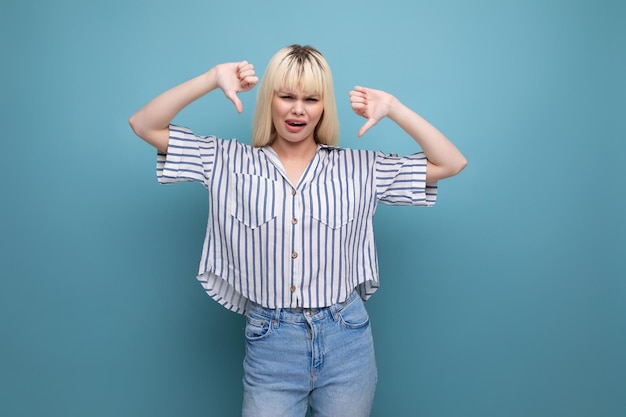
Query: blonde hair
{"x": 291, "y": 68}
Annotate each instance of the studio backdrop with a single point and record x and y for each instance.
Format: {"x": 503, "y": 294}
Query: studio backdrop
{"x": 506, "y": 299}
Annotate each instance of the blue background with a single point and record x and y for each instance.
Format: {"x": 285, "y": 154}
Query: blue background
{"x": 506, "y": 299}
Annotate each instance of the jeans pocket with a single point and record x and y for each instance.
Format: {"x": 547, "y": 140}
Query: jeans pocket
{"x": 257, "y": 328}
{"x": 354, "y": 315}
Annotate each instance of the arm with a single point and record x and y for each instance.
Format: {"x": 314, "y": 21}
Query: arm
{"x": 444, "y": 159}
{"x": 151, "y": 122}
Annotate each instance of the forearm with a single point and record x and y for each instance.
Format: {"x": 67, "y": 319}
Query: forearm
{"x": 151, "y": 122}
{"x": 444, "y": 158}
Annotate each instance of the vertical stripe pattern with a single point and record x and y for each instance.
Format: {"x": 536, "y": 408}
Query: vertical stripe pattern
{"x": 280, "y": 244}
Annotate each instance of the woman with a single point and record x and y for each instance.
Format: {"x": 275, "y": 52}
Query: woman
{"x": 289, "y": 240}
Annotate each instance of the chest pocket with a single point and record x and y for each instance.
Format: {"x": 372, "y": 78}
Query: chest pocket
{"x": 333, "y": 202}
{"x": 253, "y": 199}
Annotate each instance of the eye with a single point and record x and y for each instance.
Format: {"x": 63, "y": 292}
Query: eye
{"x": 313, "y": 99}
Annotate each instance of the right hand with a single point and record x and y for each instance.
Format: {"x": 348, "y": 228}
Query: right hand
{"x": 236, "y": 77}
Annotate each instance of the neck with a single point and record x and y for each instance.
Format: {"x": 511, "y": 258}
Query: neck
{"x": 298, "y": 151}
{"x": 295, "y": 157}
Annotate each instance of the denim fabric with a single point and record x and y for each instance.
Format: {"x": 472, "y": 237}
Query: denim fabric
{"x": 317, "y": 358}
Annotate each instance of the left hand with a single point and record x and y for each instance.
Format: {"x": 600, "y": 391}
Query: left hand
{"x": 372, "y": 104}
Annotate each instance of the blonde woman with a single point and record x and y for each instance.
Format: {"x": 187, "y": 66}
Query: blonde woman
{"x": 289, "y": 240}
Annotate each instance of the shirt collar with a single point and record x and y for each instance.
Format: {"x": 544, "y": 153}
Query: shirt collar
{"x": 329, "y": 148}
{"x": 320, "y": 146}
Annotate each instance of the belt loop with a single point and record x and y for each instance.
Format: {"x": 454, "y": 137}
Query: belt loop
{"x": 276, "y": 318}
{"x": 334, "y": 310}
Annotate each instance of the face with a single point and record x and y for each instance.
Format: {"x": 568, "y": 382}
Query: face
{"x": 295, "y": 115}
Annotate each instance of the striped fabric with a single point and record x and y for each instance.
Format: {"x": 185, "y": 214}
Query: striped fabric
{"x": 288, "y": 245}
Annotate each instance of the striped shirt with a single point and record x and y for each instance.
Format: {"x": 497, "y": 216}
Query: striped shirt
{"x": 284, "y": 245}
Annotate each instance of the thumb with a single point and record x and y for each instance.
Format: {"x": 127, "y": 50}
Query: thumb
{"x": 232, "y": 96}
{"x": 366, "y": 126}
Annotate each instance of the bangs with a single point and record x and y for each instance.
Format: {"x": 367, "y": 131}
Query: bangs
{"x": 297, "y": 72}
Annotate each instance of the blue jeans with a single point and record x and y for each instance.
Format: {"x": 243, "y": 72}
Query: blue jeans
{"x": 317, "y": 358}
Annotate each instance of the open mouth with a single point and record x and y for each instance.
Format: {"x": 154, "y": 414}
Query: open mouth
{"x": 294, "y": 125}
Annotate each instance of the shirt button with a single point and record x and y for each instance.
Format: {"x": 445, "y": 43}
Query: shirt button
{"x": 292, "y": 288}
{"x": 294, "y": 255}
{"x": 294, "y": 221}
{"x": 293, "y": 191}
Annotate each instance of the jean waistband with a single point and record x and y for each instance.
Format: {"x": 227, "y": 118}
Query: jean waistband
{"x": 299, "y": 315}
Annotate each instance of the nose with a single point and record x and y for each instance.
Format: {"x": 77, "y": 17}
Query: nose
{"x": 297, "y": 108}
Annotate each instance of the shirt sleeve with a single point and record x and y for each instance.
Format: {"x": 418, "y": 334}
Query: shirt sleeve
{"x": 401, "y": 181}
{"x": 189, "y": 157}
